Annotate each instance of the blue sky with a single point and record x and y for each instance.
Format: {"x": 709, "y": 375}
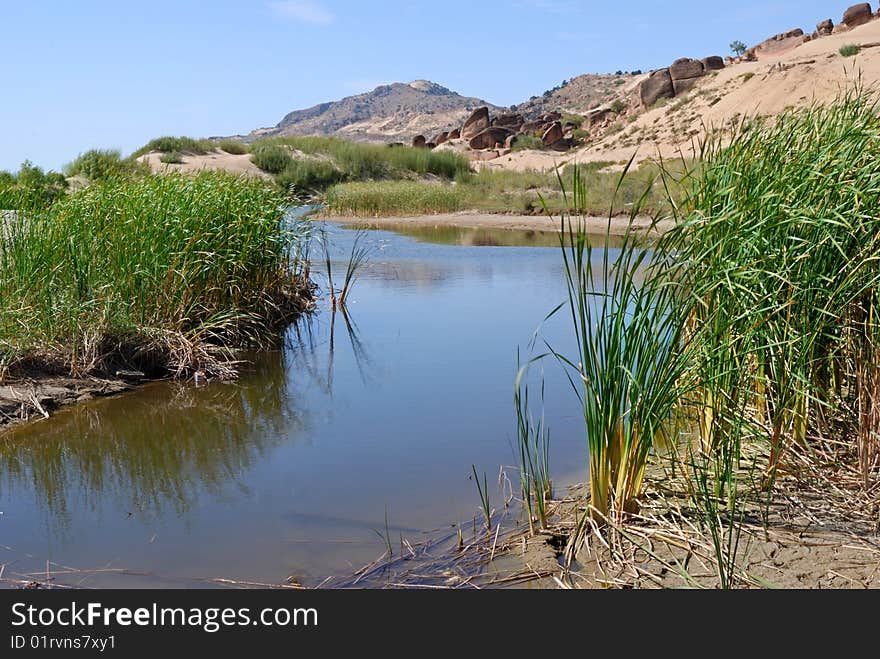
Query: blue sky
{"x": 80, "y": 74}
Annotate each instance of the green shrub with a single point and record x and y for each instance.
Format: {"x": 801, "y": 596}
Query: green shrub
{"x": 849, "y": 50}
{"x": 358, "y": 161}
{"x": 233, "y": 147}
{"x": 168, "y": 144}
{"x": 30, "y": 188}
{"x": 307, "y": 174}
{"x": 618, "y": 106}
{"x": 101, "y": 164}
{"x": 271, "y": 158}
{"x": 171, "y": 158}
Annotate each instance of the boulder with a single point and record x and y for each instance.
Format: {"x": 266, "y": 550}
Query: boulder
{"x": 441, "y": 138}
{"x": 532, "y": 128}
{"x": 550, "y": 117}
{"x": 857, "y": 15}
{"x": 488, "y": 138}
{"x": 510, "y": 142}
{"x": 684, "y": 85}
{"x": 713, "y": 63}
{"x": 454, "y": 134}
{"x": 686, "y": 68}
{"x": 512, "y": 121}
{"x": 419, "y": 142}
{"x": 825, "y": 28}
{"x": 430, "y": 145}
{"x": 562, "y": 145}
{"x": 553, "y": 134}
{"x": 476, "y": 123}
{"x": 656, "y": 86}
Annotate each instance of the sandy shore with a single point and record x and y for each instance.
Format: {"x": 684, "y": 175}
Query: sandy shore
{"x": 471, "y": 220}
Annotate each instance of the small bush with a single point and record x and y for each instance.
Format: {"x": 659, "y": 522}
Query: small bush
{"x": 747, "y": 76}
{"x": 181, "y": 144}
{"x": 850, "y": 50}
{"x": 31, "y": 187}
{"x": 618, "y": 106}
{"x": 102, "y": 164}
{"x": 305, "y": 174}
{"x": 171, "y": 158}
{"x": 271, "y": 158}
{"x": 233, "y": 147}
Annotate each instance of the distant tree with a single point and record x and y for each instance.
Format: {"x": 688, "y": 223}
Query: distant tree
{"x": 738, "y": 48}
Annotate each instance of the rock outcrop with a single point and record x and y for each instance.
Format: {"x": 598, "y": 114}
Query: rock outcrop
{"x": 857, "y": 15}
{"x": 685, "y": 73}
{"x": 656, "y": 86}
{"x": 680, "y": 77}
{"x": 419, "y": 142}
{"x": 491, "y": 138}
{"x": 476, "y": 123}
{"x": 825, "y": 28}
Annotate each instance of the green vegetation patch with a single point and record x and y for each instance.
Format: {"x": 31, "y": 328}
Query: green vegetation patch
{"x": 162, "y": 273}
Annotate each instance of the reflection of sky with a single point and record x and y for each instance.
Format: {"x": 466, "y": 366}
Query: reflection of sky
{"x": 291, "y": 469}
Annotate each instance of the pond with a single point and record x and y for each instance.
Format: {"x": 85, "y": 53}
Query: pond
{"x": 361, "y": 425}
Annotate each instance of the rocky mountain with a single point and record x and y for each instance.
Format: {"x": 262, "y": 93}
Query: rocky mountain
{"x": 579, "y": 94}
{"x": 389, "y": 113}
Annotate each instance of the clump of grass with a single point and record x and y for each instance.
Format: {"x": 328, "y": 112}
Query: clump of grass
{"x": 102, "y": 164}
{"x": 629, "y": 332}
{"x": 169, "y": 144}
{"x": 849, "y": 50}
{"x": 533, "y": 439}
{"x": 779, "y": 235}
{"x": 271, "y": 158}
{"x": 358, "y": 161}
{"x": 309, "y": 174}
{"x": 30, "y": 188}
{"x": 165, "y": 274}
{"x": 233, "y": 147}
{"x": 390, "y": 198}
{"x": 171, "y": 158}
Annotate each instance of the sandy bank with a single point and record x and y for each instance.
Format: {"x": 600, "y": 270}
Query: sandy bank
{"x": 473, "y": 220}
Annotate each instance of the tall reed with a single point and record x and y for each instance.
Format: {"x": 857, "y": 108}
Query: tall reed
{"x": 159, "y": 271}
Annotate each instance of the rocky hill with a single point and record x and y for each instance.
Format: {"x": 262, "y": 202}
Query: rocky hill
{"x": 578, "y": 95}
{"x": 389, "y": 113}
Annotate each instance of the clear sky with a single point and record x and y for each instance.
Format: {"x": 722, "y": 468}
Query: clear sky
{"x": 79, "y": 74}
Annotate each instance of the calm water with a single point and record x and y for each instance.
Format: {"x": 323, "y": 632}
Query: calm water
{"x": 291, "y": 470}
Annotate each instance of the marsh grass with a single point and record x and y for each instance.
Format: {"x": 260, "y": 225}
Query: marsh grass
{"x": 167, "y": 274}
{"x": 778, "y": 245}
{"x": 499, "y": 191}
{"x": 358, "y": 161}
{"x": 628, "y": 322}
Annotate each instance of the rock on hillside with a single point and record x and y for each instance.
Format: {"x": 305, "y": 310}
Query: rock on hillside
{"x": 389, "y": 113}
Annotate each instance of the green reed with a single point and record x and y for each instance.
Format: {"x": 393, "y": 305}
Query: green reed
{"x": 159, "y": 271}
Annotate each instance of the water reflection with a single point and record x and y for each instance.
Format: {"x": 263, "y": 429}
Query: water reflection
{"x": 156, "y": 452}
{"x": 291, "y": 469}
